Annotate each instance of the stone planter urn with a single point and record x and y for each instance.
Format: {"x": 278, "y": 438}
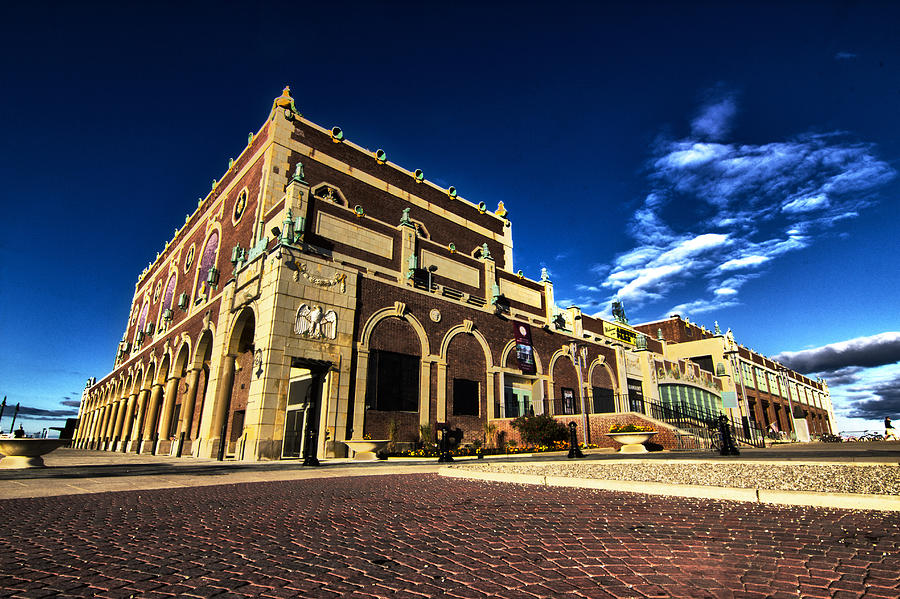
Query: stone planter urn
{"x": 26, "y": 453}
{"x": 366, "y": 449}
{"x": 632, "y": 442}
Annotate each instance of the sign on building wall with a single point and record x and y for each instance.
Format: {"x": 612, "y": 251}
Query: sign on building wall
{"x": 729, "y": 399}
{"x": 524, "y": 348}
{"x": 611, "y": 330}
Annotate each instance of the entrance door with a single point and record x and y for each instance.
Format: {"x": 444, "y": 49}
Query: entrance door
{"x": 301, "y": 419}
{"x": 299, "y": 391}
{"x": 517, "y": 398}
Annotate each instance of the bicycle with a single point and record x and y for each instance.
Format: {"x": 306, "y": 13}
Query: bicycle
{"x": 872, "y": 437}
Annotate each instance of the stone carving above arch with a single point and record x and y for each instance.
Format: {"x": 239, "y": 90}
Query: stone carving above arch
{"x": 600, "y": 363}
{"x": 557, "y": 355}
{"x": 398, "y": 310}
{"x": 467, "y": 329}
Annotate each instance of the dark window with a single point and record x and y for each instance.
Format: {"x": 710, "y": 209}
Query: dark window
{"x": 635, "y": 396}
{"x": 393, "y": 382}
{"x": 704, "y": 362}
{"x": 604, "y": 401}
{"x": 465, "y": 397}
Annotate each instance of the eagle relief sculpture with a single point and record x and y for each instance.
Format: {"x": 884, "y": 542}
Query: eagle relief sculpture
{"x": 315, "y": 322}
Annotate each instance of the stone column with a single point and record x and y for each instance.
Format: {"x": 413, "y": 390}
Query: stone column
{"x": 156, "y": 391}
{"x": 188, "y": 403}
{"x": 223, "y": 402}
{"x": 88, "y": 428}
{"x": 128, "y": 423}
{"x": 96, "y": 425}
{"x": 359, "y": 402}
{"x": 425, "y": 391}
{"x": 165, "y": 417}
{"x": 141, "y": 408}
{"x": 110, "y": 420}
{"x": 441, "y": 415}
{"x": 120, "y": 419}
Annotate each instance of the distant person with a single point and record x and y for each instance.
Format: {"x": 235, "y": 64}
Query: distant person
{"x": 889, "y": 430}
{"x": 19, "y": 432}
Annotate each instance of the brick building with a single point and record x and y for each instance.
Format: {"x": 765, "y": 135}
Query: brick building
{"x": 768, "y": 395}
{"x": 321, "y": 293}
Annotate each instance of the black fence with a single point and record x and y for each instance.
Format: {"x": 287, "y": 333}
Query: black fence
{"x": 703, "y": 424}
{"x": 700, "y": 426}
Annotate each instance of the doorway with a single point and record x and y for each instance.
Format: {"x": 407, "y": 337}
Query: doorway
{"x": 301, "y": 418}
{"x": 517, "y": 394}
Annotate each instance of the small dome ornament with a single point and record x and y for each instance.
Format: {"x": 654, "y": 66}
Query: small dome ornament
{"x": 286, "y": 102}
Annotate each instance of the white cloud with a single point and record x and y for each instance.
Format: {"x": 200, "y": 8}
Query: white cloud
{"x": 698, "y": 153}
{"x": 816, "y": 202}
{"x": 714, "y": 121}
{"x": 737, "y": 263}
{"x": 699, "y": 307}
{"x": 758, "y": 201}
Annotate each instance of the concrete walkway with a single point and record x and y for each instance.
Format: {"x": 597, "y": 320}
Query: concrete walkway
{"x": 71, "y": 471}
{"x": 424, "y": 536}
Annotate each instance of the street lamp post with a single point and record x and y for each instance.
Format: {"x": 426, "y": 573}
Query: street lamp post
{"x": 731, "y": 351}
{"x": 782, "y": 372}
{"x": 579, "y": 357}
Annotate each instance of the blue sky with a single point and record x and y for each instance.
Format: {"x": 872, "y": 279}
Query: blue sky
{"x": 731, "y": 162}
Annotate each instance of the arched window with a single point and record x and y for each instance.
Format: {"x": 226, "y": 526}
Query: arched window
{"x": 169, "y": 295}
{"x": 207, "y": 262}
{"x": 141, "y": 323}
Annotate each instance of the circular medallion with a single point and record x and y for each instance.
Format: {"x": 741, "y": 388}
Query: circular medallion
{"x": 189, "y": 259}
{"x": 157, "y": 290}
{"x": 435, "y": 315}
{"x": 239, "y": 205}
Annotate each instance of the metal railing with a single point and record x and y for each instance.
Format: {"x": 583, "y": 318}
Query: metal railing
{"x": 700, "y": 422}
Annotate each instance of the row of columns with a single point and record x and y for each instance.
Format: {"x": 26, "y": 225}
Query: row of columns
{"x": 114, "y": 424}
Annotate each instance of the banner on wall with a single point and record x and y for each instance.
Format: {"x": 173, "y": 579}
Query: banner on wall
{"x": 524, "y": 348}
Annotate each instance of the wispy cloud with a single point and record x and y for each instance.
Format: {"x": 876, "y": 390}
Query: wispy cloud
{"x": 714, "y": 121}
{"x": 866, "y": 352}
{"x": 39, "y": 413}
{"x": 758, "y": 202}
{"x": 844, "y": 56}
{"x": 863, "y": 374}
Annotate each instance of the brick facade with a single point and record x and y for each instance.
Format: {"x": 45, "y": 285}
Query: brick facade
{"x": 322, "y": 253}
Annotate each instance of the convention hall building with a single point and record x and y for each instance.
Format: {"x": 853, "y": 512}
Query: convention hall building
{"x": 320, "y": 293}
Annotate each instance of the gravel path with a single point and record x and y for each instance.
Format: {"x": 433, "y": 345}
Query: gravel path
{"x": 876, "y": 479}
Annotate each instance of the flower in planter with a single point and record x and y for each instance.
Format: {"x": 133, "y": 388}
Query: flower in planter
{"x": 631, "y": 428}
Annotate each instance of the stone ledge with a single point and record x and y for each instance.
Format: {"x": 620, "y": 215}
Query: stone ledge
{"x": 800, "y": 498}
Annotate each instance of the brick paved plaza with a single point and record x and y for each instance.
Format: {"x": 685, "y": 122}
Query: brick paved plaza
{"x": 426, "y": 536}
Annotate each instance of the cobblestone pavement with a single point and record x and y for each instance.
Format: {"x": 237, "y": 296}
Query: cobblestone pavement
{"x": 424, "y": 536}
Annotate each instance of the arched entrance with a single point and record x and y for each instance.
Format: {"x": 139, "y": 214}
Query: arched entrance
{"x": 198, "y": 383}
{"x": 227, "y": 427}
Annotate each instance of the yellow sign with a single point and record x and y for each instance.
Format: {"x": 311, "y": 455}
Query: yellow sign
{"x": 611, "y": 330}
